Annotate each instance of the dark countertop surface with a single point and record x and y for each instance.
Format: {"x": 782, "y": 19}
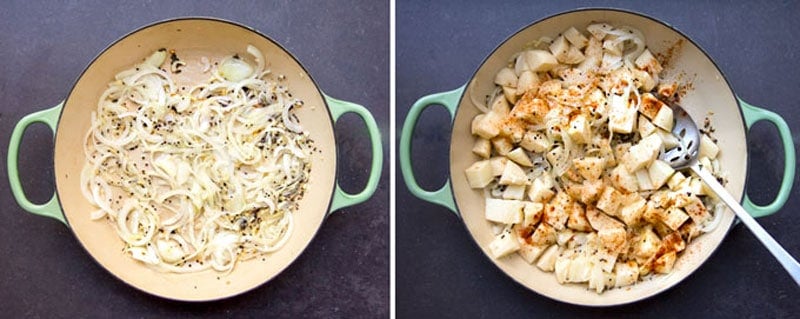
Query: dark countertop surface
{"x": 45, "y": 45}
{"x": 440, "y": 270}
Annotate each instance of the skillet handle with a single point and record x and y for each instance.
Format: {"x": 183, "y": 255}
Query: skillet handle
{"x": 342, "y": 199}
{"x": 752, "y": 115}
{"x": 442, "y": 196}
{"x": 51, "y": 208}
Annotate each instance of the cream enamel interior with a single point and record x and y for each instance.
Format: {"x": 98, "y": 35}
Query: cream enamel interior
{"x": 191, "y": 39}
{"x": 710, "y": 93}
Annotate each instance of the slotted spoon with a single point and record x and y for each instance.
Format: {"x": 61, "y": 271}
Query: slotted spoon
{"x": 685, "y": 156}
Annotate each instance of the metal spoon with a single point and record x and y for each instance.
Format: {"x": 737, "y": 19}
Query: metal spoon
{"x": 685, "y": 155}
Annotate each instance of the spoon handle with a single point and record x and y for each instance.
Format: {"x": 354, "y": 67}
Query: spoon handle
{"x": 788, "y": 262}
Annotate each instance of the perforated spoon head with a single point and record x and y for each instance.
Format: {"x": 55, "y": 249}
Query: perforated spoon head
{"x": 685, "y": 129}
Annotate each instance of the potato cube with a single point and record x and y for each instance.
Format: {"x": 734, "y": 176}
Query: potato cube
{"x": 667, "y": 138}
{"x": 504, "y": 211}
{"x": 646, "y": 246}
{"x": 643, "y": 80}
{"x": 530, "y": 253}
{"x": 559, "y": 48}
{"x": 513, "y": 175}
{"x": 504, "y": 244}
{"x": 488, "y": 126}
{"x": 640, "y": 155}
{"x": 674, "y": 217}
{"x": 506, "y": 77}
{"x": 502, "y": 145}
{"x": 541, "y": 190}
{"x": 547, "y": 261}
{"x": 599, "y": 30}
{"x": 556, "y": 211}
{"x": 610, "y": 201}
{"x": 708, "y": 148}
{"x": 498, "y": 164}
{"x": 627, "y": 273}
{"x": 613, "y": 239}
{"x": 482, "y": 148}
{"x": 510, "y": 93}
{"x": 579, "y": 130}
{"x": 476, "y": 122}
{"x": 532, "y": 213}
{"x": 633, "y": 209}
{"x": 645, "y": 126}
{"x": 696, "y": 210}
{"x": 590, "y": 167}
{"x": 613, "y": 47}
{"x": 518, "y": 156}
{"x": 675, "y": 180}
{"x": 536, "y": 61}
{"x": 651, "y": 105}
{"x": 500, "y": 107}
{"x": 543, "y": 235}
{"x": 479, "y": 174}
{"x": 665, "y": 262}
{"x": 624, "y": 180}
{"x": 589, "y": 191}
{"x": 576, "y": 38}
{"x": 653, "y": 213}
{"x": 514, "y": 192}
{"x": 535, "y": 142}
{"x": 600, "y": 220}
{"x": 646, "y": 61}
{"x": 530, "y": 109}
{"x": 528, "y": 83}
{"x": 622, "y": 115}
{"x": 660, "y": 172}
{"x": 574, "y": 55}
{"x": 664, "y": 119}
{"x": 577, "y": 219}
{"x": 643, "y": 179}
{"x": 667, "y": 90}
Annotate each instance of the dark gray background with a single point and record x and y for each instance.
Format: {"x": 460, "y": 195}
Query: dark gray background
{"x": 440, "y": 270}
{"x": 45, "y": 45}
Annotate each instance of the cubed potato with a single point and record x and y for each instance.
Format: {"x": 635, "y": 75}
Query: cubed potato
{"x": 627, "y": 273}
{"x": 643, "y": 180}
{"x": 576, "y": 38}
{"x": 537, "y": 61}
{"x": 510, "y": 93}
{"x": 504, "y": 244}
{"x": 642, "y": 154}
{"x": 633, "y": 209}
{"x": 482, "y": 147}
{"x": 500, "y": 106}
{"x": 532, "y": 213}
{"x": 646, "y": 127}
{"x": 664, "y": 119}
{"x": 543, "y": 235}
{"x": 675, "y": 180}
{"x": 506, "y": 77}
{"x": 514, "y": 192}
{"x": 623, "y": 180}
{"x": 541, "y": 190}
{"x": 579, "y": 269}
{"x": 547, "y": 261}
{"x": 651, "y": 105}
{"x": 667, "y": 138}
{"x": 599, "y": 220}
{"x": 708, "y": 148}
{"x": 476, "y": 122}
{"x": 594, "y": 49}
{"x": 613, "y": 47}
{"x": 653, "y": 213}
{"x": 502, "y": 145}
{"x": 564, "y": 236}
{"x": 609, "y": 60}
{"x": 610, "y": 201}
{"x": 599, "y": 30}
{"x": 613, "y": 238}
{"x": 643, "y": 80}
{"x": 536, "y": 142}
{"x": 674, "y": 217}
{"x": 589, "y": 191}
{"x": 622, "y": 115}
{"x": 577, "y": 219}
{"x": 487, "y": 126}
{"x": 556, "y": 210}
{"x": 479, "y": 174}
{"x": 530, "y": 109}
{"x": 646, "y": 61}
{"x": 590, "y": 168}
{"x": 604, "y": 257}
{"x": 673, "y": 242}
{"x": 646, "y": 246}
{"x": 579, "y": 130}
{"x": 665, "y": 262}
{"x": 559, "y": 48}
{"x": 513, "y": 175}
{"x": 697, "y": 211}
{"x": 498, "y": 164}
{"x": 519, "y": 156}
{"x": 555, "y": 155}
{"x": 530, "y": 253}
{"x": 574, "y": 55}
{"x": 528, "y": 83}
{"x": 659, "y": 172}
{"x": 504, "y": 211}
